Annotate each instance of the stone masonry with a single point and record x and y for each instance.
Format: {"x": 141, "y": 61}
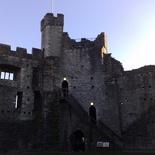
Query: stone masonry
{"x": 70, "y": 95}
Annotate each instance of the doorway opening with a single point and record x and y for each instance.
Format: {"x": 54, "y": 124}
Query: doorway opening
{"x": 64, "y": 88}
{"x": 92, "y": 113}
{"x": 77, "y": 141}
{"x": 37, "y": 102}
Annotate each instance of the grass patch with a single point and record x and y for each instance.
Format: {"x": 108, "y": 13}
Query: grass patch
{"x": 90, "y": 153}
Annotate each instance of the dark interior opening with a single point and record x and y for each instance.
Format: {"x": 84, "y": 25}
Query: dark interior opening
{"x": 37, "y": 101}
{"x": 19, "y": 100}
{"x": 77, "y": 141}
{"x": 64, "y": 88}
{"x": 92, "y": 113}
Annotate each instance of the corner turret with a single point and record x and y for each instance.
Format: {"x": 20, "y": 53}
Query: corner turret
{"x": 52, "y": 31}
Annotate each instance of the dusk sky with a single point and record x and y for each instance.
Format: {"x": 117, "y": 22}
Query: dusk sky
{"x": 128, "y": 24}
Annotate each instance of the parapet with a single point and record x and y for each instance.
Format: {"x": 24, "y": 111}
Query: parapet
{"x": 145, "y": 69}
{"x": 50, "y": 19}
{"x": 99, "y": 41}
{"x": 69, "y": 43}
{"x": 113, "y": 67}
{"x": 21, "y": 52}
{"x": 5, "y": 48}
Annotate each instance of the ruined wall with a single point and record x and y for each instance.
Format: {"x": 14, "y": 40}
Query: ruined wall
{"x": 31, "y": 114}
{"x": 136, "y": 94}
{"x": 17, "y": 97}
{"x": 112, "y": 70}
{"x": 82, "y": 64}
{"x": 70, "y": 123}
{"x": 131, "y": 93}
{"x": 136, "y": 98}
{"x": 20, "y": 65}
{"x": 18, "y": 136}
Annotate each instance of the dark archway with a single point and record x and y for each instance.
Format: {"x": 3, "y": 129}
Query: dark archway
{"x": 64, "y": 88}
{"x": 77, "y": 141}
{"x": 92, "y": 113}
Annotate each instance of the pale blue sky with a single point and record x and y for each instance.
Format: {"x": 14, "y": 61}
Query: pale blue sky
{"x": 129, "y": 25}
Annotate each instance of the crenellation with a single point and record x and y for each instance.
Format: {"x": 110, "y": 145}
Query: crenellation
{"x": 4, "y": 48}
{"x": 37, "y": 53}
{"x": 21, "y": 52}
{"x": 49, "y": 19}
{"x": 69, "y": 43}
{"x": 145, "y": 69}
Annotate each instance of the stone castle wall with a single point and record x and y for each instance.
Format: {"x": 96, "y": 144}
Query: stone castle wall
{"x": 136, "y": 94}
{"x": 136, "y": 98}
{"x": 21, "y": 66}
{"x": 124, "y": 100}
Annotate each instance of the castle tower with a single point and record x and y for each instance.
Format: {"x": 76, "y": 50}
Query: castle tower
{"x": 52, "y": 30}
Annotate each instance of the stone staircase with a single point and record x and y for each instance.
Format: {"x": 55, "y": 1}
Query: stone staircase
{"x": 116, "y": 141}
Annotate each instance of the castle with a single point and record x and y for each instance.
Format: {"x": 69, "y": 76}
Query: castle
{"x": 73, "y": 96}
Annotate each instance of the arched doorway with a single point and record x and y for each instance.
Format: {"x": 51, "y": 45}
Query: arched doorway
{"x": 92, "y": 113}
{"x": 77, "y": 141}
{"x": 64, "y": 88}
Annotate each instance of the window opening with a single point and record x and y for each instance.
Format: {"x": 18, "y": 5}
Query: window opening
{"x": 11, "y": 76}
{"x": 2, "y": 75}
{"x": 9, "y": 72}
{"x": 18, "y": 102}
{"x": 7, "y": 76}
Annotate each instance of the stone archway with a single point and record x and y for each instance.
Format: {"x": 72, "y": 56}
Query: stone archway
{"x": 77, "y": 141}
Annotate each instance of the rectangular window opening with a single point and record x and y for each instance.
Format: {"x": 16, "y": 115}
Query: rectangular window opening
{"x": 11, "y": 76}
{"x": 18, "y": 102}
{"x": 2, "y": 75}
{"x": 7, "y": 75}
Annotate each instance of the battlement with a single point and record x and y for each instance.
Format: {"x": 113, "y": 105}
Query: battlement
{"x": 21, "y": 52}
{"x": 50, "y": 19}
{"x": 142, "y": 70}
{"x": 100, "y": 41}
